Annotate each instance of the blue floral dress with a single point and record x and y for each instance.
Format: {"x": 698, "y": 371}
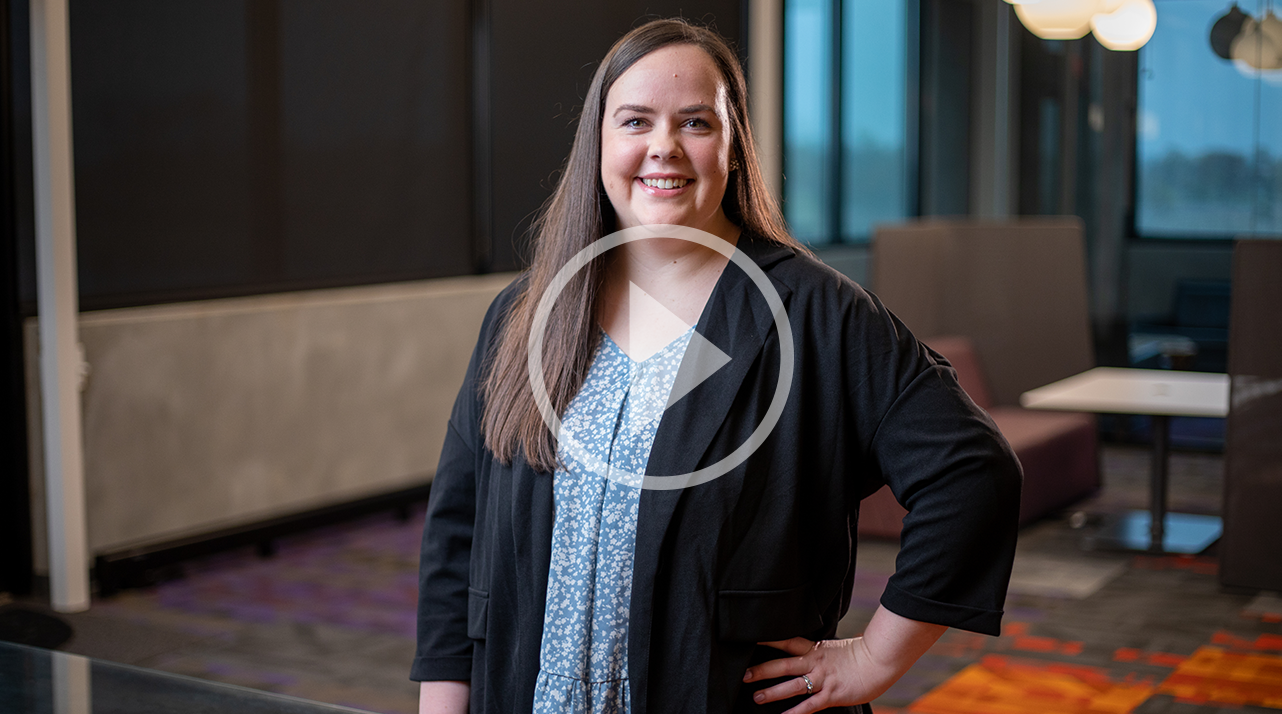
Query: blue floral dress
{"x": 605, "y": 440}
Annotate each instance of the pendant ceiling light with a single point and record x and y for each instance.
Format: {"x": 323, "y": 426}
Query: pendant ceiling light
{"x": 1225, "y": 30}
{"x": 1259, "y": 45}
{"x": 1058, "y": 19}
{"x": 1125, "y": 24}
{"x": 1271, "y": 27}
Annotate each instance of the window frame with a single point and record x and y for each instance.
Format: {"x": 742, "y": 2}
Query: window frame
{"x": 833, "y": 164}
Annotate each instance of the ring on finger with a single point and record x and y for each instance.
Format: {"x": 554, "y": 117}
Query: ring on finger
{"x": 810, "y": 686}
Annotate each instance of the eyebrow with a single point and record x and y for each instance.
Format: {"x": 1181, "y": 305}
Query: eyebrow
{"x": 639, "y": 109}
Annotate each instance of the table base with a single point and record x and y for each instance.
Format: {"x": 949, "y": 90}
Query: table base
{"x": 1183, "y": 533}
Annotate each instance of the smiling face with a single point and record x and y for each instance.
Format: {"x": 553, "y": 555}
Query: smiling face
{"x": 665, "y": 141}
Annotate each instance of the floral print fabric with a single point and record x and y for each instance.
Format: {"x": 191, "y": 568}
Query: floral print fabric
{"x": 604, "y": 444}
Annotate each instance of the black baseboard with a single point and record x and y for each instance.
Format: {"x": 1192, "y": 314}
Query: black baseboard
{"x": 151, "y": 564}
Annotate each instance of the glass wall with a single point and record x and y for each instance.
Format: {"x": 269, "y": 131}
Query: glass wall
{"x": 847, "y": 79}
{"x": 1209, "y": 133}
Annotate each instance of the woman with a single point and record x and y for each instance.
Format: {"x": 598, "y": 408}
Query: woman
{"x": 548, "y": 585}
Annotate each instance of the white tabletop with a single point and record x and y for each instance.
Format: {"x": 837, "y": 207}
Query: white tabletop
{"x": 1135, "y": 391}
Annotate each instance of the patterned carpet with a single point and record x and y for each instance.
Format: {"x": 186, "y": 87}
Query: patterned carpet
{"x": 330, "y": 618}
{"x": 1158, "y": 638}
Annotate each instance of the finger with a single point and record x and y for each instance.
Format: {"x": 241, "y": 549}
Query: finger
{"x": 810, "y": 704}
{"x": 795, "y": 645}
{"x": 782, "y": 667}
{"x": 784, "y": 690}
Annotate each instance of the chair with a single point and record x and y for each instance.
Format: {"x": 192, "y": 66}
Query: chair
{"x": 1010, "y": 296}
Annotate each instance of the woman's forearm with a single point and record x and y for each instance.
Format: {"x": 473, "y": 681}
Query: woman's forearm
{"x": 443, "y": 697}
{"x": 893, "y": 643}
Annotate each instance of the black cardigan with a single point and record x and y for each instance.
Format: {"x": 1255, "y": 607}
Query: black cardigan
{"x": 765, "y": 552}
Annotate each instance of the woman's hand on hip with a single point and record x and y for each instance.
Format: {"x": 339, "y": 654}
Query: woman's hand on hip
{"x": 845, "y": 672}
{"x": 841, "y": 672}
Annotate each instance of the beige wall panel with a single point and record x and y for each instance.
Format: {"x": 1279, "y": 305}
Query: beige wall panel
{"x": 204, "y": 415}
{"x": 909, "y": 269}
{"x": 1020, "y": 290}
{"x": 1016, "y": 288}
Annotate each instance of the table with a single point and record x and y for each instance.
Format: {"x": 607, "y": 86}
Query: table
{"x": 1160, "y": 394}
{"x": 40, "y": 681}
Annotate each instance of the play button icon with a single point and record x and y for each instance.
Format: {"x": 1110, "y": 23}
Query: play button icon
{"x": 651, "y": 327}
{"x": 702, "y": 359}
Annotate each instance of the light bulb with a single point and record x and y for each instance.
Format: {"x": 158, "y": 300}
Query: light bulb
{"x": 1127, "y": 26}
{"x": 1059, "y": 19}
{"x": 1271, "y": 27}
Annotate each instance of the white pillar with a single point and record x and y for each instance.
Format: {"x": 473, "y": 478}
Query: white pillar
{"x": 60, "y": 355}
{"x": 765, "y": 75}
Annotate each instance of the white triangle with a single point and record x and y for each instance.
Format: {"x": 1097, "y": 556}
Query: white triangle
{"x": 651, "y": 326}
{"x": 702, "y": 360}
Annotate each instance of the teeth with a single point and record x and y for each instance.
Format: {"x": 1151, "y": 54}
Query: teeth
{"x": 665, "y": 183}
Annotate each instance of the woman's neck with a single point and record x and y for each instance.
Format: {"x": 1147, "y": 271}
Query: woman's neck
{"x": 674, "y": 259}
{"x": 679, "y": 275}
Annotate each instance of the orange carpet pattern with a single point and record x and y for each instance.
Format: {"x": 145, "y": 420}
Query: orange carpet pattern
{"x": 999, "y": 685}
{"x": 1215, "y": 675}
{"x": 1231, "y": 671}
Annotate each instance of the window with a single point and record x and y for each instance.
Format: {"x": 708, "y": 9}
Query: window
{"x": 1209, "y": 146}
{"x": 849, "y": 135}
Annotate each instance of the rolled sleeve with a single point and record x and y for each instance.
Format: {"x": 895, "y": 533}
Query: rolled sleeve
{"x": 949, "y": 466}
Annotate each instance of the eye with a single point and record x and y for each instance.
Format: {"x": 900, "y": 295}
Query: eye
{"x": 697, "y": 123}
{"x": 634, "y": 123}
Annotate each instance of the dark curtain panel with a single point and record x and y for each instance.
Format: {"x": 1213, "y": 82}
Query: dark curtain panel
{"x": 228, "y": 147}
{"x": 235, "y": 147}
{"x": 543, "y": 57}
{"x": 15, "y": 230}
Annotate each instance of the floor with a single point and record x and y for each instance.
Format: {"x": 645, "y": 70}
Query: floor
{"x": 330, "y": 618}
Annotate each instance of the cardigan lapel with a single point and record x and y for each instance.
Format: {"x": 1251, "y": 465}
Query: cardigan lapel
{"x": 737, "y": 320}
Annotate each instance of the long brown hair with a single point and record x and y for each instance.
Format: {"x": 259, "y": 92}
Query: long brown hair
{"x": 579, "y": 213}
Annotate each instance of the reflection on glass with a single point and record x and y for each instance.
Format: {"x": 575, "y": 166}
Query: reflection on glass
{"x": 873, "y": 96}
{"x": 1209, "y": 137}
{"x": 807, "y": 111}
{"x": 39, "y": 681}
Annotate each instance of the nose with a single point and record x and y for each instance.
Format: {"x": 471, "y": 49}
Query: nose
{"x": 665, "y": 144}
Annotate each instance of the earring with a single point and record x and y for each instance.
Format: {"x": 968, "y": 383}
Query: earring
{"x": 734, "y": 164}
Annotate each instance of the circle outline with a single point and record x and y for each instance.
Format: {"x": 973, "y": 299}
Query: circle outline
{"x": 543, "y": 312}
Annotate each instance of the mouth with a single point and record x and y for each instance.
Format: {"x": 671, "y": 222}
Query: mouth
{"x": 665, "y": 184}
